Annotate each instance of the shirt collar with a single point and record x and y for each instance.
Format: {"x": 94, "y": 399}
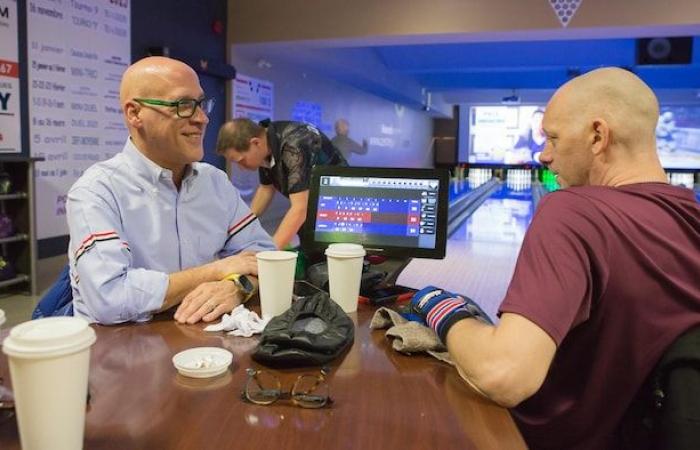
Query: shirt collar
{"x": 273, "y": 141}
{"x": 149, "y": 169}
{"x": 269, "y": 164}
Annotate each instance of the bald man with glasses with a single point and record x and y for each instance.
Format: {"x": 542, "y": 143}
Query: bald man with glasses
{"x": 153, "y": 228}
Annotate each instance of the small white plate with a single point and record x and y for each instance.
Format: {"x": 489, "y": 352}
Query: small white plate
{"x": 202, "y": 362}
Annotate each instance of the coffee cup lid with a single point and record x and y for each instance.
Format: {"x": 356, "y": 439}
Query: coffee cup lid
{"x": 51, "y": 336}
{"x": 276, "y": 255}
{"x": 345, "y": 250}
{"x": 202, "y": 362}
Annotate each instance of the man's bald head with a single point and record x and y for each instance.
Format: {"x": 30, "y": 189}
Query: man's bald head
{"x": 616, "y": 95}
{"x": 150, "y": 92}
{"x": 342, "y": 127}
{"x": 601, "y": 130}
{"x": 153, "y": 77}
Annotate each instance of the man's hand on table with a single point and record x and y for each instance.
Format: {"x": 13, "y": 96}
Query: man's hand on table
{"x": 208, "y": 302}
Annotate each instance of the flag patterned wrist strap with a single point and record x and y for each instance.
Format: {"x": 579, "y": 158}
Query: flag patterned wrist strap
{"x": 447, "y": 309}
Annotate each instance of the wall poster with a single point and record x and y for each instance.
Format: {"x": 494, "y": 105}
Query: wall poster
{"x": 10, "y": 131}
{"x": 252, "y": 98}
{"x": 77, "y": 50}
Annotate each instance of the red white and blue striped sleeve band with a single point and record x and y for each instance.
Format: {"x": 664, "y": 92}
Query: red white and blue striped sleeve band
{"x": 92, "y": 239}
{"x": 240, "y": 225}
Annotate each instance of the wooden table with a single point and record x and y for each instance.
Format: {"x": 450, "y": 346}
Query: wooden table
{"x": 382, "y": 399}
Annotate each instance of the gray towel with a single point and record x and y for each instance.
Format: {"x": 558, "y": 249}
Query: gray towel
{"x": 409, "y": 337}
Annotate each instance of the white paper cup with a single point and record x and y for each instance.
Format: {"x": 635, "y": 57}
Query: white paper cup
{"x": 49, "y": 363}
{"x": 276, "y": 278}
{"x": 345, "y": 274}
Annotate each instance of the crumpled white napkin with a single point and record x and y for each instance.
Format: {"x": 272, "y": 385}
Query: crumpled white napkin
{"x": 240, "y": 322}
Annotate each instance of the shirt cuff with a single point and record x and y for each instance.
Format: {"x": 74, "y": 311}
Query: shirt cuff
{"x": 147, "y": 290}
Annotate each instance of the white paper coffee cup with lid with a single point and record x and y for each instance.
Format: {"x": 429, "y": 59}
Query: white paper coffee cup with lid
{"x": 345, "y": 273}
{"x": 49, "y": 363}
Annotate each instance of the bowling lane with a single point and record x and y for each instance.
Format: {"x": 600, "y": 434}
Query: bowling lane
{"x": 481, "y": 253}
{"x": 458, "y": 188}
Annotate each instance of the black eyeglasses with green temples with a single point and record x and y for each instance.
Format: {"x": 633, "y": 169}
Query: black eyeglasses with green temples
{"x": 185, "y": 107}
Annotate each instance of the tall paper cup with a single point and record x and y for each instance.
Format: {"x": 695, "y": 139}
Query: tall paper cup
{"x": 276, "y": 277}
{"x": 345, "y": 274}
{"x": 49, "y": 362}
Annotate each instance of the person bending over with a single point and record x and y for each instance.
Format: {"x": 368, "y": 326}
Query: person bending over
{"x": 284, "y": 154}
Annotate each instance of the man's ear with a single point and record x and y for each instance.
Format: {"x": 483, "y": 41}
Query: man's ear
{"x": 600, "y": 136}
{"x": 254, "y": 141}
{"x": 230, "y": 154}
{"x": 132, "y": 111}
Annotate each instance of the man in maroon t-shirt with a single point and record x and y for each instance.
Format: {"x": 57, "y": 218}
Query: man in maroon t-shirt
{"x": 607, "y": 277}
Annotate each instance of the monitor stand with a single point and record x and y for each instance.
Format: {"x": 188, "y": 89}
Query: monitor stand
{"x": 393, "y": 268}
{"x": 376, "y": 275}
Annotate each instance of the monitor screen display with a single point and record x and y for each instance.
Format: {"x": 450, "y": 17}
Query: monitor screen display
{"x": 678, "y": 137}
{"x": 394, "y": 212}
{"x": 499, "y": 134}
{"x": 505, "y": 134}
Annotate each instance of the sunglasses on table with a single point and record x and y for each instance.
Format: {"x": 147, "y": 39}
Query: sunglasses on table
{"x": 308, "y": 391}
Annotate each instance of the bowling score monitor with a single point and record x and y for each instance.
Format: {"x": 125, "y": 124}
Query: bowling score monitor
{"x": 390, "y": 211}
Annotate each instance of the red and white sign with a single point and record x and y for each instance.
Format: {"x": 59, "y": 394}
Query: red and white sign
{"x": 9, "y": 79}
{"x": 252, "y": 98}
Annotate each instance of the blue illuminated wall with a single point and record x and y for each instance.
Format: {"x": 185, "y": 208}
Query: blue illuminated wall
{"x": 395, "y": 135}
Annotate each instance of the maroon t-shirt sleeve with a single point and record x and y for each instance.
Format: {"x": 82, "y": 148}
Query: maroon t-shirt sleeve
{"x": 552, "y": 284}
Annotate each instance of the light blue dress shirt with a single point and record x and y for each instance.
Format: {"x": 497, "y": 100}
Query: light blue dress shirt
{"x": 130, "y": 227}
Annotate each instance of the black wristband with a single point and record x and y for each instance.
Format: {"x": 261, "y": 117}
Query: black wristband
{"x": 452, "y": 319}
{"x": 469, "y": 310}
